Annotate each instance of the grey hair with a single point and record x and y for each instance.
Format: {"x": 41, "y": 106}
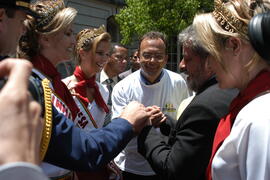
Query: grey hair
{"x": 188, "y": 38}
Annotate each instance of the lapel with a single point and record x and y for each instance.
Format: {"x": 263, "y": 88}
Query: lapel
{"x": 210, "y": 82}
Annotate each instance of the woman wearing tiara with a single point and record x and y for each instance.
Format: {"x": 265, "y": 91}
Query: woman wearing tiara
{"x": 49, "y": 40}
{"x": 91, "y": 54}
{"x": 241, "y": 144}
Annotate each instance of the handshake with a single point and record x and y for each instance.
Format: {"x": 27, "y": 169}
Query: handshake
{"x": 140, "y": 116}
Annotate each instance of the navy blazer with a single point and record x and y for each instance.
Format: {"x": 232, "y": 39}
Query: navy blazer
{"x": 185, "y": 153}
{"x": 76, "y": 149}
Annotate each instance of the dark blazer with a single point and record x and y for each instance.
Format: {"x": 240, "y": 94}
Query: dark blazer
{"x": 184, "y": 154}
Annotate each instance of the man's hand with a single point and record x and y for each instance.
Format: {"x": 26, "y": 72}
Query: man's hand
{"x": 21, "y": 125}
{"x": 157, "y": 117}
{"x": 135, "y": 113}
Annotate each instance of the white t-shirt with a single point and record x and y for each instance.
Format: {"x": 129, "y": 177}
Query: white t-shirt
{"x": 167, "y": 94}
{"x": 245, "y": 153}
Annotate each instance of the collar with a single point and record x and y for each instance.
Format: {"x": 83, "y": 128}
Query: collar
{"x": 104, "y": 77}
{"x": 145, "y": 81}
{"x": 211, "y": 81}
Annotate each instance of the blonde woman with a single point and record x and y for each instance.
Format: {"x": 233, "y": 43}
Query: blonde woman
{"x": 241, "y": 144}
{"x": 91, "y": 54}
{"x": 49, "y": 40}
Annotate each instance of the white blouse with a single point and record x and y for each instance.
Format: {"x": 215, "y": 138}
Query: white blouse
{"x": 245, "y": 153}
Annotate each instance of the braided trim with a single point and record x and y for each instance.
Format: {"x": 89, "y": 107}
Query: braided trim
{"x": 88, "y": 35}
{"x": 47, "y": 129}
{"x": 47, "y": 11}
{"x": 227, "y": 20}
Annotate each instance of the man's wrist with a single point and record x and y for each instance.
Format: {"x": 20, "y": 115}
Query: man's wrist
{"x": 11, "y": 153}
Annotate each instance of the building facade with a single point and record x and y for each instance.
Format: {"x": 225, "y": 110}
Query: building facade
{"x": 93, "y": 14}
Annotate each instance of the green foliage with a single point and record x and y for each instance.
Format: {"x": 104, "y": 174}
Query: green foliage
{"x": 167, "y": 16}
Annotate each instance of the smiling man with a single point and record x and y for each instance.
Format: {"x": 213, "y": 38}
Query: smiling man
{"x": 184, "y": 150}
{"x": 151, "y": 85}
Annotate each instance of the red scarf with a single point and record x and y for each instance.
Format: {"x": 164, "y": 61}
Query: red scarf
{"x": 83, "y": 83}
{"x": 47, "y": 68}
{"x": 258, "y": 85}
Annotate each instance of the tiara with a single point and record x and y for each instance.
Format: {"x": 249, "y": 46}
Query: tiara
{"x": 227, "y": 20}
{"x": 88, "y": 35}
{"x": 47, "y": 10}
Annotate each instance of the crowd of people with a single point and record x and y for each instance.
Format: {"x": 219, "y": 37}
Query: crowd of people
{"x": 105, "y": 123}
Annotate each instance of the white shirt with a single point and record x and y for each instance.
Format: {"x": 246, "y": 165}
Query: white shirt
{"x": 183, "y": 106}
{"x": 104, "y": 77}
{"x": 245, "y": 153}
{"x": 167, "y": 94}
